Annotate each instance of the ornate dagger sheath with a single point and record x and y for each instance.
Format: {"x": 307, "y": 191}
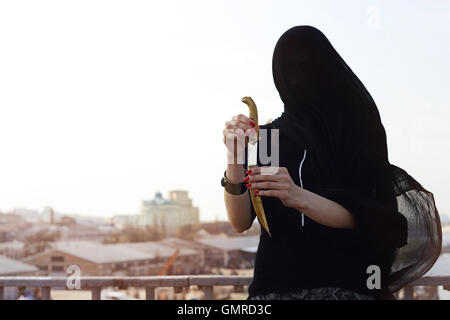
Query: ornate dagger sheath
{"x": 252, "y": 162}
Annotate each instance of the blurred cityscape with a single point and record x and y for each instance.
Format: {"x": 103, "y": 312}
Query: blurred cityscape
{"x": 165, "y": 238}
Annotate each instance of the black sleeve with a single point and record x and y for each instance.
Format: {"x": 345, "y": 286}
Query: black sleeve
{"x": 365, "y": 188}
{"x": 383, "y": 227}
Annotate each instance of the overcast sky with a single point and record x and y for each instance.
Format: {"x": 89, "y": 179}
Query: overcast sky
{"x": 102, "y": 103}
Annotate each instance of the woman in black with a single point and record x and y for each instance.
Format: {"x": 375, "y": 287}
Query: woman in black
{"x": 332, "y": 205}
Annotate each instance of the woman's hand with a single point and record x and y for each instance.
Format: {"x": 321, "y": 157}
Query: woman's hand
{"x": 234, "y": 136}
{"x": 275, "y": 182}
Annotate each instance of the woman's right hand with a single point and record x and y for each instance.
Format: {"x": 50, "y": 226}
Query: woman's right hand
{"x": 234, "y": 136}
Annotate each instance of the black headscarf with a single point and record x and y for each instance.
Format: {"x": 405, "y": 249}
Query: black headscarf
{"x": 329, "y": 112}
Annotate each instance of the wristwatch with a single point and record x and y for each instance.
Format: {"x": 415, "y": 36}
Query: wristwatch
{"x": 233, "y": 188}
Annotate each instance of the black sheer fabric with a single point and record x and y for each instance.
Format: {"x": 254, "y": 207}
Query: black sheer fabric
{"x": 329, "y": 112}
{"x": 424, "y": 230}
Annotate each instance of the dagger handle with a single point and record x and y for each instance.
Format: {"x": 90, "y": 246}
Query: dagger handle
{"x": 253, "y": 111}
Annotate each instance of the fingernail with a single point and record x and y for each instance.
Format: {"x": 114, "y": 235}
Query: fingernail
{"x": 246, "y": 178}
{"x": 256, "y": 192}
{"x": 252, "y": 123}
{"x": 248, "y": 185}
{"x": 248, "y": 172}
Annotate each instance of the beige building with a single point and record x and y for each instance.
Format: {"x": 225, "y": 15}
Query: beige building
{"x": 229, "y": 252}
{"x": 124, "y": 259}
{"x": 167, "y": 215}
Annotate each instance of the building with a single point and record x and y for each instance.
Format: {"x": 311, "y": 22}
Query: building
{"x": 186, "y": 262}
{"x": 13, "y": 249}
{"x": 124, "y": 259}
{"x": 178, "y": 243}
{"x": 10, "y": 226}
{"x": 11, "y": 267}
{"x": 168, "y": 215}
{"x": 88, "y": 232}
{"x": 230, "y": 252}
{"x": 125, "y": 220}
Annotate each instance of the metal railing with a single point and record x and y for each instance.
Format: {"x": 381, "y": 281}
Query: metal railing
{"x": 427, "y": 281}
{"x": 178, "y": 283}
{"x": 150, "y": 283}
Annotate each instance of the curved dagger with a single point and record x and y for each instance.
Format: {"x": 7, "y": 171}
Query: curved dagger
{"x": 253, "y": 142}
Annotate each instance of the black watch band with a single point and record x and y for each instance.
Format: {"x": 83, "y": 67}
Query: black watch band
{"x": 233, "y": 188}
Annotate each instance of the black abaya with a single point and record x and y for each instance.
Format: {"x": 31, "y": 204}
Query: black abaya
{"x": 329, "y": 113}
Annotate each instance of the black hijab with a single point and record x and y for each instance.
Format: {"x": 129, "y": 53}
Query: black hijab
{"x": 329, "y": 112}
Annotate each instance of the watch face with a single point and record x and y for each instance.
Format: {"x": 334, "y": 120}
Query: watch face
{"x": 222, "y": 182}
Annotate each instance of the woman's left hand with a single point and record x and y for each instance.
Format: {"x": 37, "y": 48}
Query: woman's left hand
{"x": 275, "y": 182}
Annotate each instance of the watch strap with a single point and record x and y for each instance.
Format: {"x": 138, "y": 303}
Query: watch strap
{"x": 233, "y": 188}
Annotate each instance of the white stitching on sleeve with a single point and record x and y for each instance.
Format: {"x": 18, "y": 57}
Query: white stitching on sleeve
{"x": 301, "y": 182}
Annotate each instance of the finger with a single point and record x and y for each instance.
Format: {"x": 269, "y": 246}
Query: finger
{"x": 240, "y": 117}
{"x": 266, "y": 185}
{"x": 236, "y": 125}
{"x": 254, "y": 171}
{"x": 245, "y": 119}
{"x": 266, "y": 177}
{"x": 264, "y": 170}
{"x": 269, "y": 193}
{"x": 240, "y": 125}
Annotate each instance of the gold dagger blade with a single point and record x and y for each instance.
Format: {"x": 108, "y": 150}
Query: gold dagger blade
{"x": 256, "y": 201}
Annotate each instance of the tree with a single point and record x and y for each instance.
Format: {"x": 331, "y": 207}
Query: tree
{"x": 40, "y": 240}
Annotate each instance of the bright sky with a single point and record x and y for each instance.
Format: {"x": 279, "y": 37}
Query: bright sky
{"x": 102, "y": 103}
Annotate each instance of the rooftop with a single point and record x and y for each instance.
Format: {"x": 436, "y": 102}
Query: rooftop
{"x": 113, "y": 253}
{"x": 155, "y": 248}
{"x": 231, "y": 243}
{"x": 100, "y": 253}
{"x": 12, "y": 267}
{"x": 158, "y": 200}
